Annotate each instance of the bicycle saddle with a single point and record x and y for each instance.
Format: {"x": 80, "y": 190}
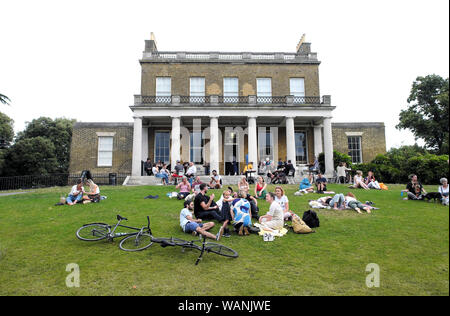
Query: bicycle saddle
{"x": 119, "y": 218}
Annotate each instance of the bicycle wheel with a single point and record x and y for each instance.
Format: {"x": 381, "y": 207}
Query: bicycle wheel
{"x": 93, "y": 232}
{"x": 220, "y": 250}
{"x": 136, "y": 242}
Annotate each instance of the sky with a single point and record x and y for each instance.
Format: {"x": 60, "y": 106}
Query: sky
{"x": 80, "y": 59}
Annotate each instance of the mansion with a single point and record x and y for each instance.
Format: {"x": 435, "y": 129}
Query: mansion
{"x": 216, "y": 108}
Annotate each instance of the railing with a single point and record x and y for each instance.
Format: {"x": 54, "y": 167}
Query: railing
{"x": 51, "y": 180}
{"x": 220, "y": 100}
{"x": 255, "y": 57}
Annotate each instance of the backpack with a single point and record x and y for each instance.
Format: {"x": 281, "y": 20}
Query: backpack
{"x": 299, "y": 226}
{"x": 311, "y": 219}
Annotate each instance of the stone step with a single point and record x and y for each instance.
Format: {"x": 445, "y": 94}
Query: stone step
{"x": 226, "y": 180}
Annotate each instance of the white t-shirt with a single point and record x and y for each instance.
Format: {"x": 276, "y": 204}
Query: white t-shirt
{"x": 282, "y": 201}
{"x": 341, "y": 171}
{"x": 443, "y": 191}
{"x": 277, "y": 213}
{"x": 183, "y": 217}
{"x": 155, "y": 171}
{"x": 192, "y": 170}
{"x": 74, "y": 190}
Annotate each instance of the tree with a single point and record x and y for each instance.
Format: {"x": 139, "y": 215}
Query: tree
{"x": 4, "y": 99}
{"x": 58, "y": 131}
{"x": 31, "y": 156}
{"x": 6, "y": 130}
{"x": 427, "y": 113}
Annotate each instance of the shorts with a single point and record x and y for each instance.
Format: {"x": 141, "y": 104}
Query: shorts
{"x": 192, "y": 227}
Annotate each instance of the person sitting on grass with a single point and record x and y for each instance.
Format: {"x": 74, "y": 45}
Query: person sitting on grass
{"x": 371, "y": 182}
{"x": 354, "y": 204}
{"x": 94, "y": 193}
{"x": 224, "y": 204}
{"x": 184, "y": 187}
{"x": 76, "y": 193}
{"x": 282, "y": 199}
{"x": 216, "y": 180}
{"x": 196, "y": 185}
{"x": 260, "y": 188}
{"x": 305, "y": 186}
{"x": 358, "y": 181}
{"x": 242, "y": 214}
{"x": 193, "y": 226}
{"x": 443, "y": 190}
{"x": 411, "y": 188}
{"x": 321, "y": 183}
{"x": 204, "y": 206}
{"x": 243, "y": 185}
{"x": 274, "y": 218}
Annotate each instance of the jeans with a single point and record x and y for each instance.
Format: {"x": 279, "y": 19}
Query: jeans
{"x": 355, "y": 204}
{"x": 73, "y": 198}
{"x": 339, "y": 199}
{"x": 162, "y": 176}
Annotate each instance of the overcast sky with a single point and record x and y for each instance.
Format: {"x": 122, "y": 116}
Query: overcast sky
{"x": 79, "y": 59}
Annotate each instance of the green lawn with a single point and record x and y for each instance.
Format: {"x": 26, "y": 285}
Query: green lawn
{"x": 409, "y": 241}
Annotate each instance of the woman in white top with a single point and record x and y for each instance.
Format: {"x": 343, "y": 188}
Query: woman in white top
{"x": 283, "y": 201}
{"x": 274, "y": 219}
{"x": 243, "y": 185}
{"x": 94, "y": 194}
{"x": 443, "y": 190}
{"x": 341, "y": 172}
{"x": 359, "y": 181}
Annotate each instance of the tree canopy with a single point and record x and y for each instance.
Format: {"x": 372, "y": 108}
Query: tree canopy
{"x": 428, "y": 112}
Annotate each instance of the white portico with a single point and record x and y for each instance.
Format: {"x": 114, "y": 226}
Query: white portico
{"x": 213, "y": 119}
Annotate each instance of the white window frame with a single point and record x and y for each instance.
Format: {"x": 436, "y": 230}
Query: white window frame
{"x": 306, "y": 147}
{"x": 264, "y": 90}
{"x": 197, "y": 89}
{"x": 105, "y": 151}
{"x": 230, "y": 89}
{"x": 154, "y": 150}
{"x": 163, "y": 89}
{"x": 350, "y": 151}
{"x": 297, "y": 89}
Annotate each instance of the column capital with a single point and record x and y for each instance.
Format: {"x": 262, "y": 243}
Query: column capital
{"x": 214, "y": 116}
{"x": 137, "y": 117}
{"x": 175, "y": 116}
{"x": 290, "y": 117}
{"x": 252, "y": 117}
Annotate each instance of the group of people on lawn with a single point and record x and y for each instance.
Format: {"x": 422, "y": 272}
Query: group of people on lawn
{"x": 237, "y": 208}
{"x": 415, "y": 190}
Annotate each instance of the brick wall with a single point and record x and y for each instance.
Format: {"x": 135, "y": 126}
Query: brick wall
{"x": 373, "y": 138}
{"x": 84, "y": 148}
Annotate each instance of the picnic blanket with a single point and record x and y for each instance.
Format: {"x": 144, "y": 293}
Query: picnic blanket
{"x": 275, "y": 233}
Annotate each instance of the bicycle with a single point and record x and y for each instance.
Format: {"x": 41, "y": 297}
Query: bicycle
{"x": 143, "y": 239}
{"x": 100, "y": 231}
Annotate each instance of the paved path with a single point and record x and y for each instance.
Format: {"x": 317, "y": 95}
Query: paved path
{"x": 12, "y": 193}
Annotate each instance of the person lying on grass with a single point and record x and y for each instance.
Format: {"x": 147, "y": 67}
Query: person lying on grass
{"x": 189, "y": 225}
{"x": 76, "y": 194}
{"x": 94, "y": 193}
{"x": 354, "y": 204}
{"x": 274, "y": 218}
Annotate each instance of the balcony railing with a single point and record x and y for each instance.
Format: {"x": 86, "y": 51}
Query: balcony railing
{"x": 214, "y": 100}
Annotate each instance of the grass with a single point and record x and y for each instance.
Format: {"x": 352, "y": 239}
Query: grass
{"x": 409, "y": 240}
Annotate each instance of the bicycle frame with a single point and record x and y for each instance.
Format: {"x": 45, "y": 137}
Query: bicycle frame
{"x": 113, "y": 233}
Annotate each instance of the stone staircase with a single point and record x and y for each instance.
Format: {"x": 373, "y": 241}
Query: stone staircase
{"x": 226, "y": 180}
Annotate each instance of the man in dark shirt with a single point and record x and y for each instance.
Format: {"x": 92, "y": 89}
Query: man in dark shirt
{"x": 321, "y": 183}
{"x": 148, "y": 167}
{"x": 204, "y": 206}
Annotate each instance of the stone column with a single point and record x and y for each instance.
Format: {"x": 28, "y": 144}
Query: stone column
{"x": 214, "y": 144}
{"x": 137, "y": 146}
{"x": 290, "y": 140}
{"x": 145, "y": 143}
{"x": 176, "y": 144}
{"x": 252, "y": 142}
{"x": 318, "y": 147}
{"x": 328, "y": 147}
